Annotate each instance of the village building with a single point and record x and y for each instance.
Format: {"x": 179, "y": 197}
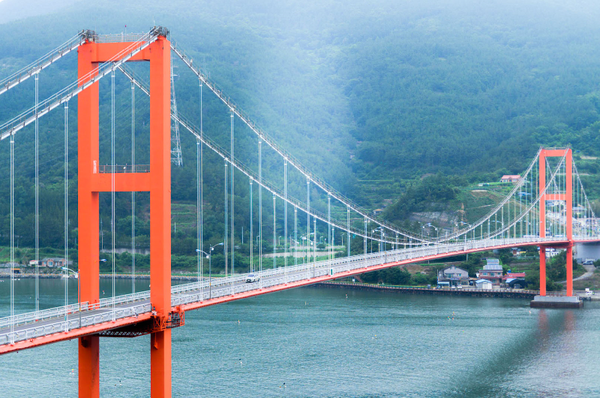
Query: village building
{"x": 54, "y": 262}
{"x": 492, "y": 271}
{"x": 453, "y": 276}
{"x": 510, "y": 178}
{"x": 483, "y": 284}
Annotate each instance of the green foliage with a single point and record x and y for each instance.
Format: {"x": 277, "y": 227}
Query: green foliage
{"x": 428, "y": 194}
{"x": 391, "y": 276}
{"x": 405, "y": 101}
{"x": 399, "y": 276}
{"x": 475, "y": 262}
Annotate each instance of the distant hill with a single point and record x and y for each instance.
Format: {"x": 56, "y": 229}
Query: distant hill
{"x": 373, "y": 96}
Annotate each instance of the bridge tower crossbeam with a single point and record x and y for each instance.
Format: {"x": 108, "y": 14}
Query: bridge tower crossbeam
{"x": 567, "y": 197}
{"x": 157, "y": 181}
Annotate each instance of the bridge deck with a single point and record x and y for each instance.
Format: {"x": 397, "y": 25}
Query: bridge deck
{"x": 64, "y": 323}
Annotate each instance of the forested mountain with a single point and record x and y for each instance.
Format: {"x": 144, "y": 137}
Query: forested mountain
{"x": 372, "y": 95}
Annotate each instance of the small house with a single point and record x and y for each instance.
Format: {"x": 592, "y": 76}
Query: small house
{"x": 513, "y": 275}
{"x": 454, "y": 276}
{"x": 510, "y": 179}
{"x": 54, "y": 262}
{"x": 483, "y": 284}
{"x": 492, "y": 271}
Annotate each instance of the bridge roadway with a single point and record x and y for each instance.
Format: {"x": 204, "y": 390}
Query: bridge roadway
{"x": 81, "y": 319}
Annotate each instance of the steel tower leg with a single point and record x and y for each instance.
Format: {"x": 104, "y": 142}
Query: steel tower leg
{"x": 542, "y": 218}
{"x": 160, "y": 214}
{"x": 88, "y": 234}
{"x": 542, "y": 271}
{"x": 570, "y": 270}
{"x": 569, "y": 211}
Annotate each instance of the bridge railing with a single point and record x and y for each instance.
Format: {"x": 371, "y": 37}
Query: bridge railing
{"x": 108, "y": 308}
{"x": 73, "y": 321}
{"x": 41, "y": 315}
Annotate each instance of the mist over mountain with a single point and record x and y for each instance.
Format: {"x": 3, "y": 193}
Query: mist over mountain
{"x": 373, "y": 96}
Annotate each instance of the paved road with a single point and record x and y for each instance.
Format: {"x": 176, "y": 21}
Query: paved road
{"x": 137, "y": 304}
{"x": 589, "y": 272}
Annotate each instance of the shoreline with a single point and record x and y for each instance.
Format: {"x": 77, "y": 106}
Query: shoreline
{"x": 494, "y": 293}
{"x": 466, "y": 292}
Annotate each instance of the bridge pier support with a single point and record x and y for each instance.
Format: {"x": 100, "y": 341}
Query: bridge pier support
{"x": 542, "y": 271}
{"x": 160, "y": 363}
{"x": 570, "y": 270}
{"x": 89, "y": 366}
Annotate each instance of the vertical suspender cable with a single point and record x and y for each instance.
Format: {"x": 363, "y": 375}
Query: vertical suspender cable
{"x": 315, "y": 245}
{"x": 132, "y": 192}
{"x": 226, "y": 240}
{"x": 521, "y": 210}
{"x": 502, "y": 222}
{"x": 308, "y": 220}
{"x": 365, "y": 238}
{"x": 348, "y": 228}
{"x": 66, "y": 167}
{"x": 508, "y": 218}
{"x": 232, "y": 199}
{"x": 260, "y": 234}
{"x": 295, "y": 235}
{"x": 251, "y": 233}
{"x": 285, "y": 213}
{"x": 201, "y": 183}
{"x": 12, "y": 238}
{"x": 332, "y": 240}
{"x": 274, "y": 233}
{"x": 577, "y": 197}
{"x": 329, "y": 249}
{"x": 112, "y": 188}
{"x": 37, "y": 198}
{"x": 199, "y": 253}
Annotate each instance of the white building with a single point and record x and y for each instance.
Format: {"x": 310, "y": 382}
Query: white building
{"x": 483, "y": 284}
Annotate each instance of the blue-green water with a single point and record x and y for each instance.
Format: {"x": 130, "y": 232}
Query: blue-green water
{"x": 322, "y": 344}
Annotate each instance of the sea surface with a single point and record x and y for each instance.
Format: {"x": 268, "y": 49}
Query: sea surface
{"x": 334, "y": 342}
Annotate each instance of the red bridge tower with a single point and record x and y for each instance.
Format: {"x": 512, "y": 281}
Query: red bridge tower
{"x": 157, "y": 182}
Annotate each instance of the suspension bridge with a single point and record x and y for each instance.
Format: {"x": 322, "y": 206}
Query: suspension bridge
{"x": 547, "y": 207}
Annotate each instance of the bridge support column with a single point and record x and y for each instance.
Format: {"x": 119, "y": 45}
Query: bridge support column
{"x": 542, "y": 271}
{"x": 88, "y": 217}
{"x": 160, "y": 214}
{"x": 89, "y": 366}
{"x": 570, "y": 270}
{"x": 160, "y": 363}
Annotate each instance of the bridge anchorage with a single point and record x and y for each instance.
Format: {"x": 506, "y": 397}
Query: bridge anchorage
{"x": 547, "y": 207}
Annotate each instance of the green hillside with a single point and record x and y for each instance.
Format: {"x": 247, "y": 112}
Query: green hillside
{"x": 385, "y": 100}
